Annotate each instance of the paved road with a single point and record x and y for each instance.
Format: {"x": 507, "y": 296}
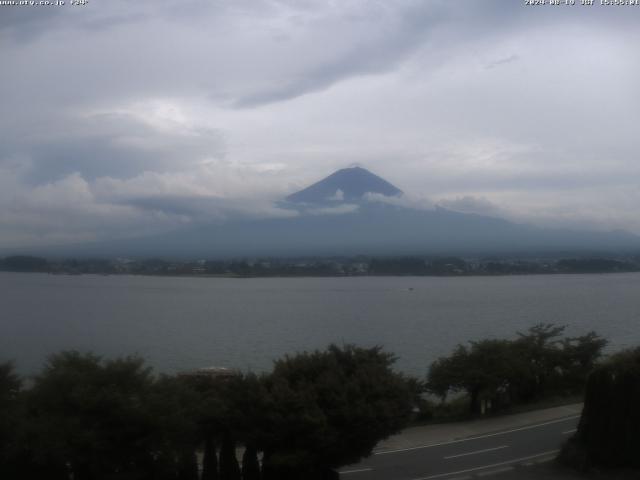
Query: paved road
{"x": 474, "y": 457}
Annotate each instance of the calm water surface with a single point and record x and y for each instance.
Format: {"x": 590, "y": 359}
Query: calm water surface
{"x": 181, "y": 323}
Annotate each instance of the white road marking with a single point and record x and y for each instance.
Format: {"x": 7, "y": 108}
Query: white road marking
{"x": 484, "y": 467}
{"x": 568, "y": 432}
{"x": 529, "y": 427}
{"x": 495, "y": 472}
{"x": 545, "y": 460}
{"x": 344, "y": 472}
{"x": 476, "y": 452}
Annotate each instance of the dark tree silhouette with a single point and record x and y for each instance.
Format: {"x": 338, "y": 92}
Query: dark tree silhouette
{"x": 538, "y": 363}
{"x": 607, "y": 434}
{"x": 482, "y": 370}
{"x": 250, "y": 464}
{"x": 229, "y": 468}
{"x": 209, "y": 460}
{"x": 90, "y": 416}
{"x": 330, "y": 408}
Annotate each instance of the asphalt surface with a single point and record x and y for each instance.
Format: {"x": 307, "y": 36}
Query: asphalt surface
{"x": 478, "y": 456}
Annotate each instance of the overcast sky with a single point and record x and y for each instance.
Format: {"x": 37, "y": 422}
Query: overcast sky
{"x": 122, "y": 118}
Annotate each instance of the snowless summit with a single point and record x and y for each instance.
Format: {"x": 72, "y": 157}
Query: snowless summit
{"x": 347, "y": 184}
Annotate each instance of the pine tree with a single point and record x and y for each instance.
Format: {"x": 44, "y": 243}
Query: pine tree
{"x": 250, "y": 464}
{"x": 229, "y": 468}
{"x": 210, "y": 460}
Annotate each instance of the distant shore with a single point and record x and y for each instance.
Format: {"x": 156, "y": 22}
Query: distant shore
{"x": 358, "y": 266}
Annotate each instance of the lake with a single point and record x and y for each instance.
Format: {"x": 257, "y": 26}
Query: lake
{"x": 178, "y": 323}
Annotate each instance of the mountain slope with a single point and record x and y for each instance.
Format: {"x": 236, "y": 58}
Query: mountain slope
{"x": 348, "y": 184}
{"x": 374, "y": 229}
{"x": 366, "y": 227}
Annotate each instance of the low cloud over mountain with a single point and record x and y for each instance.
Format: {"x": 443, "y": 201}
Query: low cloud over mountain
{"x": 359, "y": 222}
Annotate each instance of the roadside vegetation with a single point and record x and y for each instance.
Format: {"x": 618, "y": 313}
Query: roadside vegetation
{"x": 92, "y": 419}
{"x": 83, "y": 417}
{"x": 496, "y": 374}
{"x": 608, "y": 432}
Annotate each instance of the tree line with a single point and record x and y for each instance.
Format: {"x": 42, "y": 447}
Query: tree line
{"x": 495, "y": 374}
{"x": 316, "y": 266}
{"x": 89, "y": 418}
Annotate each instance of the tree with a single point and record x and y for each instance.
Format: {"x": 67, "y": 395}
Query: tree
{"x": 539, "y": 356}
{"x": 250, "y": 464}
{"x": 503, "y": 372}
{"x": 187, "y": 464}
{"x": 579, "y": 358}
{"x": 11, "y": 420}
{"x": 177, "y": 410}
{"x": 209, "y": 459}
{"x": 446, "y": 374}
{"x": 91, "y": 416}
{"x": 483, "y": 371}
{"x": 242, "y": 419}
{"x": 328, "y": 409}
{"x": 550, "y": 364}
{"x": 229, "y": 468}
{"x": 607, "y": 433}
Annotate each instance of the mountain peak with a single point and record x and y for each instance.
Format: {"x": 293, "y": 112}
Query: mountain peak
{"x": 347, "y": 184}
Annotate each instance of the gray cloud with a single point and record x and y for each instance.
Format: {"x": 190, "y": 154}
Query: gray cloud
{"x": 372, "y": 50}
{"x": 122, "y": 118}
{"x": 23, "y": 23}
{"x": 471, "y": 204}
{"x": 112, "y": 145}
{"x": 502, "y": 61}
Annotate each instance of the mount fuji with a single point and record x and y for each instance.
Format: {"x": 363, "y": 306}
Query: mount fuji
{"x": 349, "y": 185}
{"x": 343, "y": 214}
